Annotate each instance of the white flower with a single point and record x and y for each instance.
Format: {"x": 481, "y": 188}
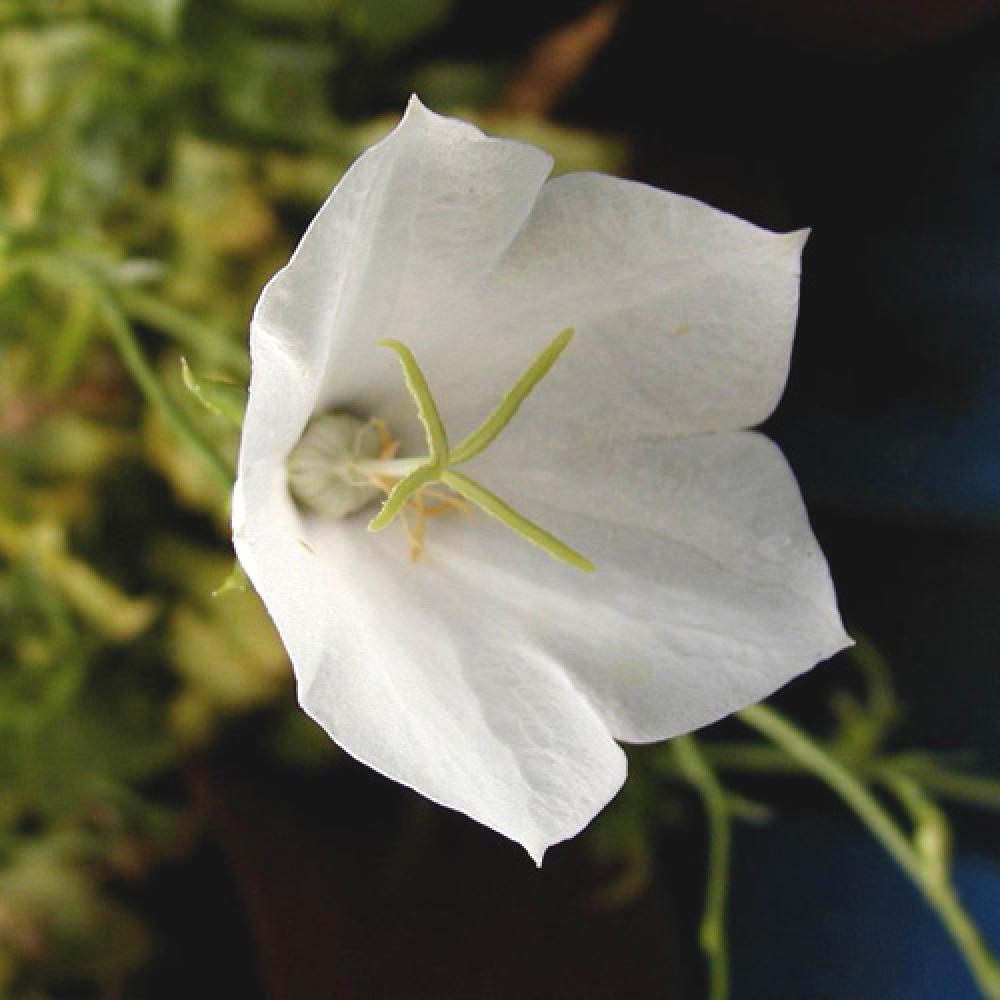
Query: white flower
{"x": 486, "y": 675}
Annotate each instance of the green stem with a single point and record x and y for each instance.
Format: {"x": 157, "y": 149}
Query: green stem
{"x": 971, "y": 789}
{"x": 138, "y": 367}
{"x": 755, "y": 758}
{"x": 713, "y": 938}
{"x": 941, "y": 781}
{"x": 938, "y": 892}
{"x": 68, "y": 271}
{"x": 931, "y": 834}
{"x": 208, "y": 341}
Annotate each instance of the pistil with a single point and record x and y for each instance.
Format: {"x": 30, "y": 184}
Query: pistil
{"x": 343, "y": 462}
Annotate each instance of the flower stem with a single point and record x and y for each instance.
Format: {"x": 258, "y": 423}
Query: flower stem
{"x": 712, "y": 934}
{"x": 971, "y": 789}
{"x": 936, "y": 889}
{"x": 936, "y": 778}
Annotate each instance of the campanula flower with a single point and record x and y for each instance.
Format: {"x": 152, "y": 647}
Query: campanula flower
{"x": 495, "y": 487}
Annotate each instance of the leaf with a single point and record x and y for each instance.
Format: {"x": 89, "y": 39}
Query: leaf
{"x": 387, "y": 25}
{"x": 222, "y": 398}
{"x": 277, "y": 88}
{"x": 235, "y": 582}
{"x": 157, "y": 17}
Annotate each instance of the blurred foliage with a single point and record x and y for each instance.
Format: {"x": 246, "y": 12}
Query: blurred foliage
{"x": 158, "y": 161}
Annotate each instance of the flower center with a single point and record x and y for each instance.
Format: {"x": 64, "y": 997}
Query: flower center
{"x": 343, "y": 462}
{"x": 426, "y": 503}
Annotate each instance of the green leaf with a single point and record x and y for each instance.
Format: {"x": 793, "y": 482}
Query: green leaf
{"x": 449, "y": 84}
{"x": 71, "y": 339}
{"x": 235, "y": 582}
{"x": 277, "y": 88}
{"x": 222, "y": 398}
{"x": 387, "y": 25}
{"x": 159, "y": 17}
{"x": 302, "y": 12}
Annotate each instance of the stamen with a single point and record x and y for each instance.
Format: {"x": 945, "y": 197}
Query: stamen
{"x": 414, "y": 535}
{"x": 388, "y": 445}
{"x": 448, "y": 502}
{"x": 416, "y": 506}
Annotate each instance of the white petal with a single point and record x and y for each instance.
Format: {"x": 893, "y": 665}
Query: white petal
{"x": 684, "y": 316}
{"x": 447, "y": 240}
{"x": 416, "y": 222}
{"x": 710, "y": 591}
{"x": 488, "y": 676}
{"x": 415, "y": 677}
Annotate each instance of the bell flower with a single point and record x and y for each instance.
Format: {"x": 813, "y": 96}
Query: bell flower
{"x": 503, "y": 359}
